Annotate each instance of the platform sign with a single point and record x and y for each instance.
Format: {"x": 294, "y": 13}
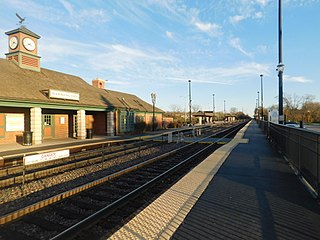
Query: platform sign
{"x": 64, "y": 95}
{"x": 44, "y": 157}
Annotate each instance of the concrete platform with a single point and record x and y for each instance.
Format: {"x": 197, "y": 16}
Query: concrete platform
{"x": 242, "y": 191}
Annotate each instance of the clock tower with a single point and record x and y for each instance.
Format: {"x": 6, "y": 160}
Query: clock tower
{"x": 23, "y": 48}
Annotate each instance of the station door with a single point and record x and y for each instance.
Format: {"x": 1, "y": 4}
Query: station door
{"x": 126, "y": 121}
{"x": 48, "y": 126}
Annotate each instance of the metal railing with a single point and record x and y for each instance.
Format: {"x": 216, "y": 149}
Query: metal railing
{"x": 301, "y": 147}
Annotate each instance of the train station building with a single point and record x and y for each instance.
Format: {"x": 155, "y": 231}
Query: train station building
{"x": 53, "y": 105}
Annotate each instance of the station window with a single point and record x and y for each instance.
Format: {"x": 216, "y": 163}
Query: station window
{"x": 47, "y": 119}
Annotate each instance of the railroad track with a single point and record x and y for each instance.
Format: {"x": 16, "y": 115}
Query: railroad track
{"x": 107, "y": 193}
{"x": 12, "y": 176}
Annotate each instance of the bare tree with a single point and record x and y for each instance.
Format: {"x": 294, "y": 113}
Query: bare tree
{"x": 176, "y": 108}
{"x": 196, "y": 108}
{"x": 233, "y": 110}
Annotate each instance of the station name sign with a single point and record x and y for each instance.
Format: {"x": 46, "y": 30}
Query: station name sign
{"x": 64, "y": 95}
{"x": 44, "y": 157}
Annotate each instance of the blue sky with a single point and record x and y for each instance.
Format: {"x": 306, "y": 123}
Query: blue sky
{"x": 145, "y": 46}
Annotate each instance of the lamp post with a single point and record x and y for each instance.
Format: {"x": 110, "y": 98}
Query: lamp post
{"x": 280, "y": 67}
{"x": 213, "y": 108}
{"x": 189, "y": 81}
{"x": 153, "y": 98}
{"x": 258, "y": 106}
{"x": 261, "y": 76}
{"x": 224, "y": 106}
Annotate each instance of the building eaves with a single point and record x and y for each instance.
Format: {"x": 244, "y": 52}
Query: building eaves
{"x": 25, "y": 30}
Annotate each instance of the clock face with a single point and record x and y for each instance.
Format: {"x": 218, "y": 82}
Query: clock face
{"x": 13, "y": 42}
{"x": 29, "y": 44}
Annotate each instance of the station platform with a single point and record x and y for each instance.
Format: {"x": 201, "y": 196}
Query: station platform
{"x": 244, "y": 190}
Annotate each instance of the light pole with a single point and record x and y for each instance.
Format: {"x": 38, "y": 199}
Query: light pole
{"x": 261, "y": 75}
{"x": 213, "y": 108}
{"x": 189, "y": 81}
{"x": 224, "y": 107}
{"x": 280, "y": 67}
{"x": 258, "y": 106}
{"x": 153, "y": 98}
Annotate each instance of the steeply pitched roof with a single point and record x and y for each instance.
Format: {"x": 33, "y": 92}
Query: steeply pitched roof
{"x": 130, "y": 101}
{"x": 27, "y": 85}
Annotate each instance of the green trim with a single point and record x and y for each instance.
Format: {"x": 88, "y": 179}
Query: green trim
{"x": 60, "y": 106}
{"x": 19, "y": 52}
{"x": 148, "y": 112}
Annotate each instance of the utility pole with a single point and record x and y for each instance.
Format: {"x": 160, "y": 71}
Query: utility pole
{"x": 258, "y": 106}
{"x": 280, "y": 67}
{"x": 190, "y": 120}
{"x": 261, "y": 75}
{"x": 213, "y": 109}
{"x": 153, "y": 98}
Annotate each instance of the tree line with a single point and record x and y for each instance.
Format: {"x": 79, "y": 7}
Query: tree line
{"x": 298, "y": 108}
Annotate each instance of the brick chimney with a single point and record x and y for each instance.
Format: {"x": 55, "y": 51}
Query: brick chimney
{"x": 98, "y": 83}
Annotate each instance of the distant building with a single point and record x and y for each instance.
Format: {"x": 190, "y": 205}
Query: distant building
{"x": 55, "y": 105}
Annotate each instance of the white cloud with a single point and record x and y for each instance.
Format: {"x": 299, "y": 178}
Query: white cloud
{"x": 262, "y": 2}
{"x": 207, "y": 27}
{"x": 169, "y": 35}
{"x": 297, "y": 79}
{"x": 67, "y": 6}
{"x": 258, "y": 15}
{"x": 236, "y": 19}
{"x": 82, "y": 16}
{"x": 236, "y": 43}
{"x": 127, "y": 65}
{"x": 219, "y": 75}
{"x": 72, "y": 17}
{"x": 248, "y": 10}
{"x": 102, "y": 57}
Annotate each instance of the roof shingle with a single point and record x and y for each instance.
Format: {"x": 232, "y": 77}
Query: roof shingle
{"x": 27, "y": 85}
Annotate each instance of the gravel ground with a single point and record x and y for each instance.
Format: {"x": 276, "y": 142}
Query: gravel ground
{"x": 16, "y": 197}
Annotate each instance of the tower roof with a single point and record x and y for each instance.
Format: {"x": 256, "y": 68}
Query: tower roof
{"x": 25, "y": 30}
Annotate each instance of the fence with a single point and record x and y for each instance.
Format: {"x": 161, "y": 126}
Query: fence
{"x": 301, "y": 147}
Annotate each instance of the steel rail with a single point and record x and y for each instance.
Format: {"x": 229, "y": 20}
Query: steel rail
{"x": 109, "y": 209}
{"x": 74, "y": 163}
{"x": 61, "y": 196}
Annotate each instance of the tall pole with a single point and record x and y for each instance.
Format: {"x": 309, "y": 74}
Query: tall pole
{"x": 153, "y": 98}
{"x": 261, "y": 76}
{"x": 258, "y": 106}
{"x": 213, "y": 109}
{"x": 189, "y": 81}
{"x": 224, "y": 106}
{"x": 280, "y": 67}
